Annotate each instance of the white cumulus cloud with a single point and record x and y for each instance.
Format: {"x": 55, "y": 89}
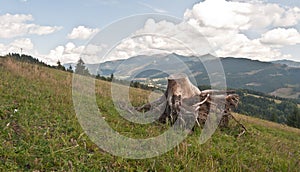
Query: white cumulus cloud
{"x": 242, "y": 15}
{"x": 70, "y": 53}
{"x": 162, "y": 37}
{"x": 43, "y": 30}
{"x": 220, "y": 14}
{"x": 225, "y": 24}
{"x": 15, "y": 46}
{"x": 20, "y": 24}
{"x": 82, "y": 32}
{"x": 281, "y": 36}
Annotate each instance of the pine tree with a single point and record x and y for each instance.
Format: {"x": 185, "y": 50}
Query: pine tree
{"x": 81, "y": 69}
{"x": 111, "y": 77}
{"x": 59, "y": 66}
{"x": 70, "y": 69}
{"x": 294, "y": 118}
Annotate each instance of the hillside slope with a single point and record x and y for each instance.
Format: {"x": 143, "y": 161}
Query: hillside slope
{"x": 39, "y": 131}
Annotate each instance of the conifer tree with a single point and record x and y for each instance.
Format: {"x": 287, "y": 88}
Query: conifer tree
{"x": 60, "y": 66}
{"x": 81, "y": 69}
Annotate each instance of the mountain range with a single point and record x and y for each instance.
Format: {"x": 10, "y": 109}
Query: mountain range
{"x": 289, "y": 63}
{"x": 279, "y": 78}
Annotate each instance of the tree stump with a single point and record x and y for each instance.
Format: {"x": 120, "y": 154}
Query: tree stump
{"x": 179, "y": 88}
{"x": 181, "y": 92}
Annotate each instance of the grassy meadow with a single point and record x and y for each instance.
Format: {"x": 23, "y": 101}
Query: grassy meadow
{"x": 40, "y": 132}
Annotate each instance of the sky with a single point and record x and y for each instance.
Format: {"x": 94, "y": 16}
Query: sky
{"x": 63, "y": 30}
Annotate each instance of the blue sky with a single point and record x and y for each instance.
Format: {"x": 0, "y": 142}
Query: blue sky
{"x": 90, "y": 13}
{"x": 59, "y": 30}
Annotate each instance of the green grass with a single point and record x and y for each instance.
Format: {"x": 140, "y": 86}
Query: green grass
{"x": 40, "y": 131}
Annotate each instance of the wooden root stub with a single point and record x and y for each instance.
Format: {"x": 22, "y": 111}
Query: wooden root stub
{"x": 181, "y": 92}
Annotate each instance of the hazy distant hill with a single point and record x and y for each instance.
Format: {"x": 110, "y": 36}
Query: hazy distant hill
{"x": 289, "y": 63}
{"x": 267, "y": 77}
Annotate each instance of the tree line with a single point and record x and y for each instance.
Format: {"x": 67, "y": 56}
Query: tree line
{"x": 285, "y": 111}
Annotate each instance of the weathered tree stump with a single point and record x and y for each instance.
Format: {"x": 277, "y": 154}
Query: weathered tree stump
{"x": 179, "y": 88}
{"x": 181, "y": 92}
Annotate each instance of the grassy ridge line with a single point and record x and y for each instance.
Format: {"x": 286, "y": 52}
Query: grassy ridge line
{"x": 266, "y": 123}
{"x": 45, "y": 135}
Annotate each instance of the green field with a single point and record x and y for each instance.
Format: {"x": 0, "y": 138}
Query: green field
{"x": 40, "y": 132}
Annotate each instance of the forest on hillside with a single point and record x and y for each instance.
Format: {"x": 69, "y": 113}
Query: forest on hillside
{"x": 280, "y": 110}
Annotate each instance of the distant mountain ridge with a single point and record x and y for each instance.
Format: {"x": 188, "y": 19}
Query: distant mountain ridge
{"x": 277, "y": 78}
{"x": 267, "y": 77}
{"x": 289, "y": 63}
